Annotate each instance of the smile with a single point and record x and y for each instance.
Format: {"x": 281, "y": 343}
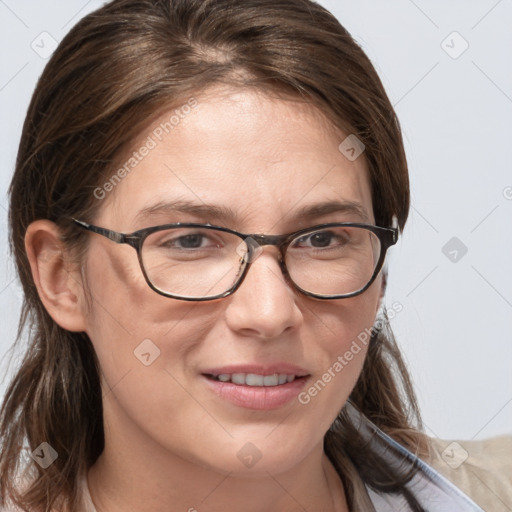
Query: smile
{"x": 254, "y": 390}
{"x": 253, "y": 379}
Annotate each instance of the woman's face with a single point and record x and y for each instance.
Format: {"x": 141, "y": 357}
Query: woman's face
{"x": 260, "y": 161}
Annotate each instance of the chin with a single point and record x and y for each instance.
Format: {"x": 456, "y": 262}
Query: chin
{"x": 242, "y": 458}
{"x": 254, "y": 463}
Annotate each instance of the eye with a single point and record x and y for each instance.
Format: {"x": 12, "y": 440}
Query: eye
{"x": 322, "y": 239}
{"x": 189, "y": 241}
{"x": 193, "y": 241}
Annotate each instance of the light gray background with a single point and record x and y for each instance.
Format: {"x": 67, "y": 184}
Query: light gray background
{"x": 456, "y": 115}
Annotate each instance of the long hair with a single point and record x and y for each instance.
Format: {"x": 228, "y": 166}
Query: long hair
{"x": 116, "y": 70}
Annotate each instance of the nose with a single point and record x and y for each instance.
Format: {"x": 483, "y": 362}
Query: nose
{"x": 264, "y": 305}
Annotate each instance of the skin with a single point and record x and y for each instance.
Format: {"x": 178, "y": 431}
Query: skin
{"x": 169, "y": 439}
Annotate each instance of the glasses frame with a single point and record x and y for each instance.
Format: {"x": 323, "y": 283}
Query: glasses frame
{"x": 387, "y": 236}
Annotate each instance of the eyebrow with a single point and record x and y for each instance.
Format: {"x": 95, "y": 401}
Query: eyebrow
{"x": 345, "y": 207}
{"x": 206, "y": 211}
{"x": 227, "y": 215}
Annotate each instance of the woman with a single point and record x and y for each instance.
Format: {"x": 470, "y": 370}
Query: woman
{"x": 248, "y": 154}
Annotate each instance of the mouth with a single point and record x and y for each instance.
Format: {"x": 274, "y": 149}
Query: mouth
{"x": 257, "y": 388}
{"x": 254, "y": 379}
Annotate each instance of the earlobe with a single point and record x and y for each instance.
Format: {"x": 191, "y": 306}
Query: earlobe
{"x": 58, "y": 284}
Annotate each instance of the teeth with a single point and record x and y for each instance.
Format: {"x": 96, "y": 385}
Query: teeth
{"x": 238, "y": 378}
{"x": 271, "y": 380}
{"x": 253, "y": 379}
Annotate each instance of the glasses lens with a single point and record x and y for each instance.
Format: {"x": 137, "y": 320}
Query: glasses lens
{"x": 193, "y": 262}
{"x": 333, "y": 261}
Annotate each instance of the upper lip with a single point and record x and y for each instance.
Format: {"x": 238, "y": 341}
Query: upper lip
{"x": 258, "y": 369}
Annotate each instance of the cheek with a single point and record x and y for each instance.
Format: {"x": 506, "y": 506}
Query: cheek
{"x": 143, "y": 342}
{"x": 347, "y": 321}
{"x": 130, "y": 325}
{"x": 347, "y": 327}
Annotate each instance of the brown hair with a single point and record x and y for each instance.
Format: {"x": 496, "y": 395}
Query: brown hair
{"x": 118, "y": 68}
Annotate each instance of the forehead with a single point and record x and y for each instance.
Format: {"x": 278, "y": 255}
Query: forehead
{"x": 263, "y": 158}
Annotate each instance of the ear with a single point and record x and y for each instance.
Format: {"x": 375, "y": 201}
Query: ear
{"x": 383, "y": 286}
{"x": 58, "y": 283}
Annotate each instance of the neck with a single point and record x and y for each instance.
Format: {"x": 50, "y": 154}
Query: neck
{"x": 143, "y": 476}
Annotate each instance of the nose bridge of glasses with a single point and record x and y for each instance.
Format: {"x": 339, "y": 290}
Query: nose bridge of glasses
{"x": 256, "y": 242}
{"x": 261, "y": 240}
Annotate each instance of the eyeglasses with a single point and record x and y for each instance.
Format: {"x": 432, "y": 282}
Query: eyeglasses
{"x": 199, "y": 262}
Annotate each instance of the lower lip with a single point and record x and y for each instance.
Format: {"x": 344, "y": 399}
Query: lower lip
{"x": 262, "y": 398}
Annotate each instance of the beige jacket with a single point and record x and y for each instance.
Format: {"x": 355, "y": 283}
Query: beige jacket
{"x": 481, "y": 469}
